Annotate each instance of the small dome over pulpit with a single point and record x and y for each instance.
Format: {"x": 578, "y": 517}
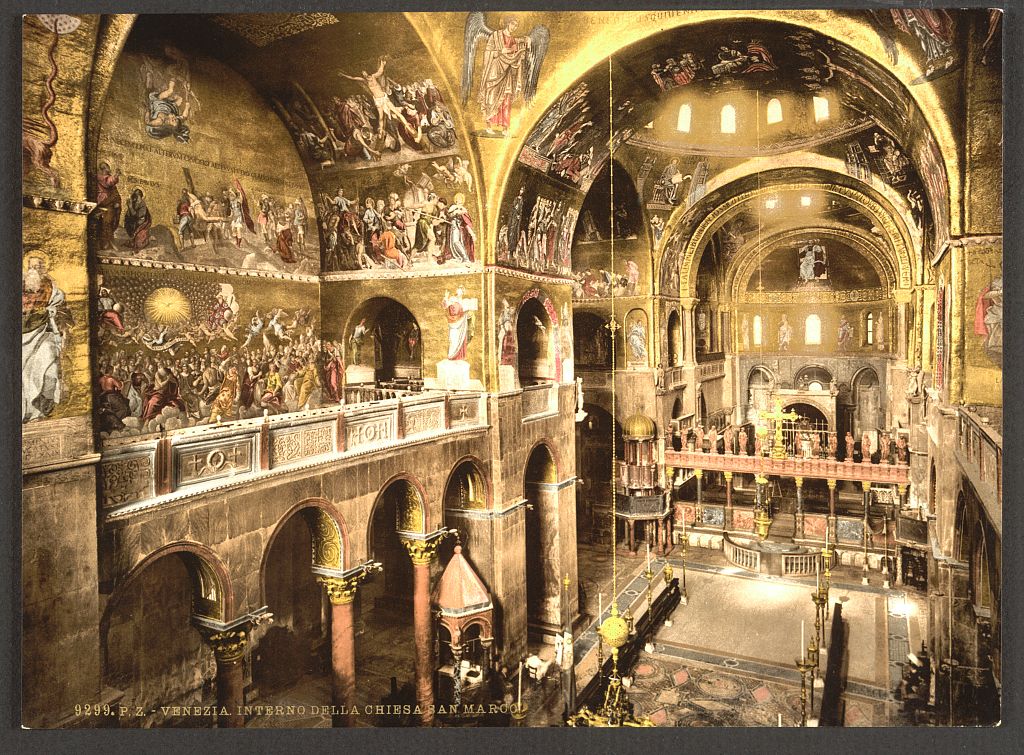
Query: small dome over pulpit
{"x": 465, "y": 614}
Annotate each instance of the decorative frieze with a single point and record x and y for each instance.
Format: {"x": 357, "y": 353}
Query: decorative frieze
{"x": 366, "y": 431}
{"x": 425, "y": 420}
{"x": 200, "y": 462}
{"x": 292, "y": 444}
{"x": 127, "y": 479}
{"x": 463, "y": 411}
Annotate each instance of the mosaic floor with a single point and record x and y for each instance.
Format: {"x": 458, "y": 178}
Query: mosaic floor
{"x": 682, "y": 692}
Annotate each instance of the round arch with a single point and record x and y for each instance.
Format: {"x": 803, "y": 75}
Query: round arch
{"x": 542, "y": 464}
{"x": 388, "y": 347}
{"x": 537, "y": 303}
{"x": 748, "y": 257}
{"x": 690, "y": 253}
{"x": 814, "y": 373}
{"x": 326, "y": 528}
{"x": 213, "y": 594}
{"x": 468, "y": 485}
{"x": 413, "y": 515}
{"x": 856, "y": 33}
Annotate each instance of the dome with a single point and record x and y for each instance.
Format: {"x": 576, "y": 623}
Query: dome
{"x": 638, "y": 426}
{"x": 460, "y": 591}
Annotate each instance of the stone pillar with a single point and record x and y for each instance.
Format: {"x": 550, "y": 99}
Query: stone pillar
{"x": 342, "y": 592}
{"x": 228, "y": 649}
{"x": 799, "y": 506}
{"x": 867, "y": 506}
{"x": 631, "y": 527}
{"x": 728, "y": 501}
{"x": 422, "y": 553}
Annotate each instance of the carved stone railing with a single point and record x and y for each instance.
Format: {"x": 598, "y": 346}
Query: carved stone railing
{"x": 799, "y": 564}
{"x": 137, "y": 472}
{"x": 979, "y": 450}
{"x": 744, "y": 558}
{"x": 675, "y": 377}
{"x": 824, "y": 469}
{"x": 540, "y": 400}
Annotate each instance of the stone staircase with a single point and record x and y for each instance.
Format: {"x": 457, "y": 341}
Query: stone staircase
{"x": 783, "y": 527}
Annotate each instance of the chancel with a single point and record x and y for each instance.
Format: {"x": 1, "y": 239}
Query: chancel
{"x": 596, "y": 369}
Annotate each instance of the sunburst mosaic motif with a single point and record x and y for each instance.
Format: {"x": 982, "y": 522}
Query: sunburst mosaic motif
{"x": 167, "y": 306}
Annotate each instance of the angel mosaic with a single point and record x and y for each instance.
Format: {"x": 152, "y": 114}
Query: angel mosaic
{"x": 510, "y": 70}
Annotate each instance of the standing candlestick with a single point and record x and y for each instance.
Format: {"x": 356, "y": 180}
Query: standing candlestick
{"x": 648, "y": 556}
{"x": 803, "y": 648}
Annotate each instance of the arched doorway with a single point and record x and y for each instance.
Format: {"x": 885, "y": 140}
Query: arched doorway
{"x": 867, "y": 402}
{"x": 675, "y": 339}
{"x": 760, "y": 383}
{"x": 150, "y": 648}
{"x": 383, "y": 345}
{"x": 543, "y": 547}
{"x": 296, "y": 646}
{"x": 594, "y": 471}
{"x": 536, "y": 350}
{"x": 810, "y": 415}
{"x": 384, "y": 606}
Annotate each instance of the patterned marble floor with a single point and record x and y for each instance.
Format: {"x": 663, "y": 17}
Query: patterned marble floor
{"x": 675, "y": 691}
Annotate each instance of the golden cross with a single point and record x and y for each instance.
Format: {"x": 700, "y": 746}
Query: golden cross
{"x": 613, "y": 326}
{"x": 777, "y": 416}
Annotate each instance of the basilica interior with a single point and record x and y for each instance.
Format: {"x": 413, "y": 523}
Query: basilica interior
{"x": 563, "y": 368}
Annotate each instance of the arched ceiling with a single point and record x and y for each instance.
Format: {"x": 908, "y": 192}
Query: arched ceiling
{"x": 886, "y": 120}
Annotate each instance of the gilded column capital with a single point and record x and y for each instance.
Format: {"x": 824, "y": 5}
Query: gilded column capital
{"x": 698, "y": 473}
{"x": 421, "y": 551}
{"x": 229, "y": 645}
{"x": 728, "y": 476}
{"x": 760, "y": 479}
{"x": 341, "y": 590}
{"x": 799, "y": 481}
{"x": 831, "y": 484}
{"x": 866, "y": 486}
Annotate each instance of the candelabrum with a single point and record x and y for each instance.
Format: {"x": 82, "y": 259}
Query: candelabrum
{"x": 820, "y": 598}
{"x": 812, "y": 658}
{"x": 804, "y": 666}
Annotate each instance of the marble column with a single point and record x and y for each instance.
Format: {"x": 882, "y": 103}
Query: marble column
{"x": 342, "y": 592}
{"x": 229, "y": 649}
{"x": 728, "y": 501}
{"x": 422, "y": 553}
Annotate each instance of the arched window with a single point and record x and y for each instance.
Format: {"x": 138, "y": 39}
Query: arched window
{"x": 812, "y": 331}
{"x": 869, "y": 329}
{"x": 757, "y": 330}
{"x": 820, "y": 109}
{"x": 774, "y": 111}
{"x": 683, "y": 122}
{"x": 728, "y": 120}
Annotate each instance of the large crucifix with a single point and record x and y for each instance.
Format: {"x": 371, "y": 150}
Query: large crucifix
{"x": 777, "y": 416}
